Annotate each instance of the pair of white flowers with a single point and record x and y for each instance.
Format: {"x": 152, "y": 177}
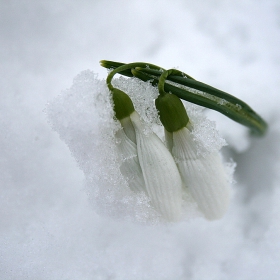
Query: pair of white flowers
{"x": 163, "y": 171}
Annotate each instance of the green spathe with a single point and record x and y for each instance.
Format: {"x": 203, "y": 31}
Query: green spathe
{"x": 172, "y": 112}
{"x": 123, "y": 105}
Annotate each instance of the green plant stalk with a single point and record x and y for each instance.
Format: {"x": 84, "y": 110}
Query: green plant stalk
{"x": 214, "y": 99}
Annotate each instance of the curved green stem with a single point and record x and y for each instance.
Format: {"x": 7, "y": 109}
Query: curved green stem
{"x": 163, "y": 77}
{"x": 124, "y": 69}
{"x": 189, "y": 89}
{"x": 183, "y": 79}
{"x": 231, "y": 107}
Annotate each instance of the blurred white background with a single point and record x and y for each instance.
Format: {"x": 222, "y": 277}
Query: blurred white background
{"x": 48, "y": 227}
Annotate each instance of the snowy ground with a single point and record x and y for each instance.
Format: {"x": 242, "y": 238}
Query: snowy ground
{"x": 49, "y": 229}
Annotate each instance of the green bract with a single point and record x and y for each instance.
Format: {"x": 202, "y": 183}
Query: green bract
{"x": 172, "y": 112}
{"x": 123, "y": 105}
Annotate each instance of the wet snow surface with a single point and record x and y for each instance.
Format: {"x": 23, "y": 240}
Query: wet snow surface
{"x": 52, "y": 225}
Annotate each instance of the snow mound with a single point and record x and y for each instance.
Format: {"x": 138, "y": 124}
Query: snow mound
{"x": 83, "y": 117}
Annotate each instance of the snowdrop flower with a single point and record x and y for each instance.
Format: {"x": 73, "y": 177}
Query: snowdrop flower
{"x": 153, "y": 168}
{"x": 202, "y": 173}
{"x": 147, "y": 164}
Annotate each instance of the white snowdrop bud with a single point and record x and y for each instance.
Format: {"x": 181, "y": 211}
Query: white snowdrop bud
{"x": 162, "y": 179}
{"x": 203, "y": 174}
{"x": 130, "y": 167}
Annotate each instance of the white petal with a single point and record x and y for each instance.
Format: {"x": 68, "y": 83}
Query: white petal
{"x": 205, "y": 176}
{"x": 162, "y": 178}
{"x": 128, "y": 129}
{"x": 168, "y": 140}
{"x": 130, "y": 167}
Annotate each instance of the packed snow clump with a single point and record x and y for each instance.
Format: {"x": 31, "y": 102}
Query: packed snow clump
{"x": 84, "y": 119}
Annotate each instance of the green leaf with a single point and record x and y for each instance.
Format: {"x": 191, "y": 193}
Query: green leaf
{"x": 187, "y": 88}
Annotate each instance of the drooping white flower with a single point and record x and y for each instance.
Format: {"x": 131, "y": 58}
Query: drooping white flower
{"x": 150, "y": 167}
{"x": 130, "y": 167}
{"x": 204, "y": 174}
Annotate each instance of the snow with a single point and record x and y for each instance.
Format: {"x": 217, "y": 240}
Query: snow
{"x": 50, "y": 228}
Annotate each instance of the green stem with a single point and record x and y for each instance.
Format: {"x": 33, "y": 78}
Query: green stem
{"x": 206, "y": 96}
{"x": 183, "y": 79}
{"x": 123, "y": 68}
{"x": 163, "y": 77}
